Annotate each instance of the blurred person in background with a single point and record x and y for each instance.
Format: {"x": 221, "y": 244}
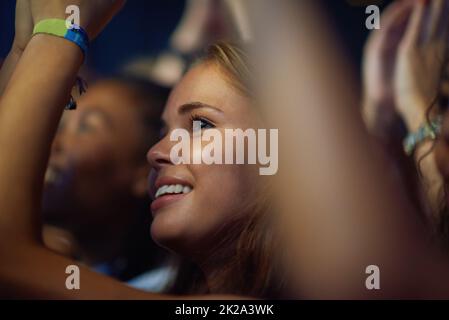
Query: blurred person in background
{"x": 203, "y": 23}
{"x": 405, "y": 88}
{"x": 95, "y": 201}
{"x": 352, "y": 212}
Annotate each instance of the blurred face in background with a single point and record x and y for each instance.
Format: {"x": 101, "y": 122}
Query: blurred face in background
{"x": 214, "y": 198}
{"x": 95, "y": 166}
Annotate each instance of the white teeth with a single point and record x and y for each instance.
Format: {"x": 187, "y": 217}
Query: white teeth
{"x": 172, "y": 189}
{"x": 186, "y": 189}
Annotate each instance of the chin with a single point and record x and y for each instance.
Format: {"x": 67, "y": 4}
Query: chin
{"x": 166, "y": 232}
{"x": 176, "y": 235}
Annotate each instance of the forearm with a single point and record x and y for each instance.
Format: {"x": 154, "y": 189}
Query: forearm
{"x": 29, "y": 113}
{"x": 388, "y": 130}
{"x": 351, "y": 211}
{"x": 385, "y": 128}
{"x": 34, "y": 272}
{"x": 8, "y": 67}
{"x": 379, "y": 119}
{"x": 22, "y": 34}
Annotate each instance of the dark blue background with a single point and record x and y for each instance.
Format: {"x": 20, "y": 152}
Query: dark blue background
{"x": 143, "y": 27}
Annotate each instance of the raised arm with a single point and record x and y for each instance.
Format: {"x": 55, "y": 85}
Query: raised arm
{"x": 23, "y": 30}
{"x": 401, "y": 81}
{"x": 417, "y": 82}
{"x": 342, "y": 204}
{"x": 30, "y": 110}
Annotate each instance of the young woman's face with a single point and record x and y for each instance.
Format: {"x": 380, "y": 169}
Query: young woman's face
{"x": 192, "y": 223}
{"x": 94, "y": 157}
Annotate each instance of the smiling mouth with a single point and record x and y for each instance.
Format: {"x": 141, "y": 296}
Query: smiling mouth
{"x": 172, "y": 189}
{"x": 168, "y": 194}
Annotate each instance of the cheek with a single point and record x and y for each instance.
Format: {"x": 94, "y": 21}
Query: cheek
{"x": 89, "y": 170}
{"x": 91, "y": 159}
{"x": 224, "y": 191}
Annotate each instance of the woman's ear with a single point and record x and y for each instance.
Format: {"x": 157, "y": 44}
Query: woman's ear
{"x": 140, "y": 183}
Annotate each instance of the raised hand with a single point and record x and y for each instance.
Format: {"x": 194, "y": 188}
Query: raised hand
{"x": 23, "y": 31}
{"x": 23, "y": 25}
{"x": 379, "y": 64}
{"x": 94, "y": 14}
{"x": 421, "y": 60}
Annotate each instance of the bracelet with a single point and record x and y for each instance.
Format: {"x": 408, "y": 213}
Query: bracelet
{"x": 75, "y": 34}
{"x": 424, "y": 132}
{"x": 81, "y": 85}
{"x": 58, "y": 28}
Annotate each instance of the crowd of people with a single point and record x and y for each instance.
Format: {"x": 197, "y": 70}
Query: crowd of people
{"x": 362, "y": 175}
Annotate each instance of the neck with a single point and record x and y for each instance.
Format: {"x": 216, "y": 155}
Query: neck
{"x": 217, "y": 269}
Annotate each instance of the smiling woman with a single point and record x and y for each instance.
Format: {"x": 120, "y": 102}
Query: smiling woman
{"x": 341, "y": 206}
{"x": 221, "y": 220}
{"x": 97, "y": 177}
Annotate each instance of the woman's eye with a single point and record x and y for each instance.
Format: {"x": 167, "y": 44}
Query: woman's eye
{"x": 206, "y": 124}
{"x": 203, "y": 123}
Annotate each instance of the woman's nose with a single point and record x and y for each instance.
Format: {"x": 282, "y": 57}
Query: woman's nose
{"x": 159, "y": 155}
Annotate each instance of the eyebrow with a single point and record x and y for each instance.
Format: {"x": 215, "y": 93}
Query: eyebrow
{"x": 184, "y": 108}
{"x": 196, "y": 105}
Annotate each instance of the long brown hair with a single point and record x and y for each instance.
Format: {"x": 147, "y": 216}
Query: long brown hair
{"x": 439, "y": 107}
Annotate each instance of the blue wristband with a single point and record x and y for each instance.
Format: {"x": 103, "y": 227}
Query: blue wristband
{"x": 58, "y": 27}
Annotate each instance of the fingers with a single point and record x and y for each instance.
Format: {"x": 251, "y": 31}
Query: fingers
{"x": 443, "y": 30}
{"x": 398, "y": 10}
{"x": 416, "y": 23}
{"x": 439, "y": 19}
{"x": 22, "y": 7}
{"x": 429, "y": 21}
{"x": 400, "y": 17}
{"x": 394, "y": 22}
{"x": 436, "y": 13}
